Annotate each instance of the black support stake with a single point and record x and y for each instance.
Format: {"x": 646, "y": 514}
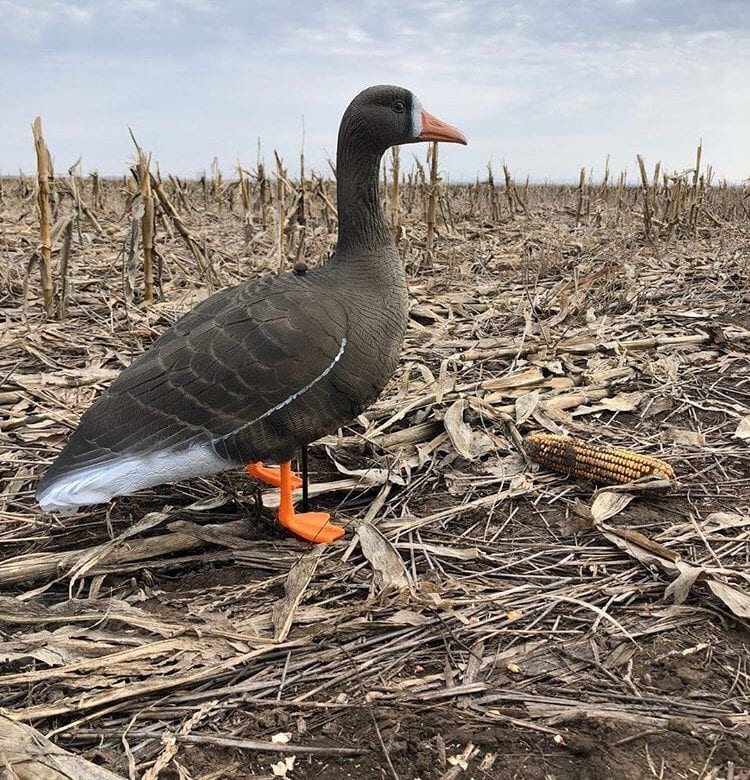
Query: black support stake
{"x": 303, "y": 460}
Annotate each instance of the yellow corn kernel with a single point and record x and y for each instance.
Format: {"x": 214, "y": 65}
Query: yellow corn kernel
{"x": 599, "y": 464}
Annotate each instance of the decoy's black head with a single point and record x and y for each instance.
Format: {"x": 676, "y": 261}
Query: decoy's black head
{"x": 385, "y": 116}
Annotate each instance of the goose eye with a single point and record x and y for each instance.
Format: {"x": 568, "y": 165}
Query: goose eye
{"x": 399, "y": 107}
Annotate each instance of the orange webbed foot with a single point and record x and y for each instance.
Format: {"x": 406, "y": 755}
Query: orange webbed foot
{"x": 313, "y": 527}
{"x": 271, "y": 475}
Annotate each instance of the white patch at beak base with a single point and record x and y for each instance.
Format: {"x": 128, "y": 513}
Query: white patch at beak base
{"x": 416, "y": 117}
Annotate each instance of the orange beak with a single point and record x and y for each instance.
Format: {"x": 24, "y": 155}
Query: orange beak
{"x": 435, "y": 130}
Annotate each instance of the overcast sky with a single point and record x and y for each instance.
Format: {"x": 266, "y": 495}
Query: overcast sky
{"x": 546, "y": 85}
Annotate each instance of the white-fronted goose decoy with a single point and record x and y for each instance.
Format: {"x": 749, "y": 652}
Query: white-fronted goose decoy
{"x": 258, "y": 370}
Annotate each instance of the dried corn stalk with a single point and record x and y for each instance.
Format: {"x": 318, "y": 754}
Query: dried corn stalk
{"x": 45, "y": 219}
{"x": 599, "y": 464}
{"x": 395, "y": 192}
{"x": 432, "y": 201}
{"x": 143, "y": 175}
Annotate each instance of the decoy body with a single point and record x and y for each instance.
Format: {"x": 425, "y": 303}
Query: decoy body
{"x": 260, "y": 369}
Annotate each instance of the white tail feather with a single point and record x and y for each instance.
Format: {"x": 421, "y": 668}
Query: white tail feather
{"x": 127, "y": 474}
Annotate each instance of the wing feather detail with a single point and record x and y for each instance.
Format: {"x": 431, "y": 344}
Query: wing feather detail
{"x": 226, "y": 374}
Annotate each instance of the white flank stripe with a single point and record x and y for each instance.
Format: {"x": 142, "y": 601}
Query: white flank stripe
{"x": 292, "y": 397}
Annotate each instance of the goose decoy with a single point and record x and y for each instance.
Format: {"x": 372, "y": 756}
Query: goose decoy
{"x": 260, "y": 369}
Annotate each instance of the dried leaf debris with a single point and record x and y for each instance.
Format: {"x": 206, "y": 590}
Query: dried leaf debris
{"x": 477, "y": 589}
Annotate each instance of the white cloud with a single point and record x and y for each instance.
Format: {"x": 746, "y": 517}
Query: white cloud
{"x": 22, "y": 22}
{"x": 76, "y": 14}
{"x": 31, "y": 21}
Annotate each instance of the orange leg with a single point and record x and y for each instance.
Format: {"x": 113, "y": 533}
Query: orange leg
{"x": 310, "y": 526}
{"x": 271, "y": 475}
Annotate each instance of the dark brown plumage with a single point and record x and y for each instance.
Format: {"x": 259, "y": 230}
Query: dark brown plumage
{"x": 259, "y": 369}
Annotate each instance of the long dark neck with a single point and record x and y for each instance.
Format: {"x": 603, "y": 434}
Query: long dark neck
{"x": 362, "y": 224}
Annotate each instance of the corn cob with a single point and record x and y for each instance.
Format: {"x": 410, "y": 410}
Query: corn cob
{"x": 599, "y": 464}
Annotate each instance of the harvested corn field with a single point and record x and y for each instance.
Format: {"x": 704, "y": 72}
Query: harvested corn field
{"x": 484, "y": 616}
